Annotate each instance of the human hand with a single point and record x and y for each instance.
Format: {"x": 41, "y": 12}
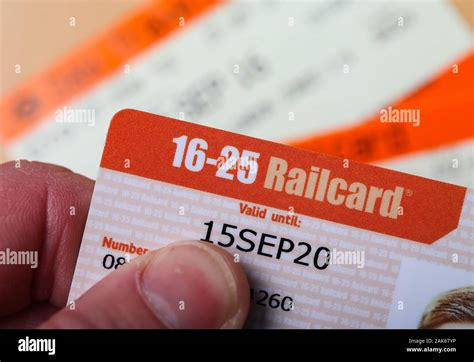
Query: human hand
{"x": 35, "y": 215}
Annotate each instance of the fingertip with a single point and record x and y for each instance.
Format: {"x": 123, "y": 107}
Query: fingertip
{"x": 193, "y": 284}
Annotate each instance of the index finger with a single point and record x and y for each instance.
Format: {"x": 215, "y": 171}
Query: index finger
{"x": 43, "y": 209}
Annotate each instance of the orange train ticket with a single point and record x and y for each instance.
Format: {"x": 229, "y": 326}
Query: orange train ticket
{"x": 325, "y": 241}
{"x": 265, "y": 69}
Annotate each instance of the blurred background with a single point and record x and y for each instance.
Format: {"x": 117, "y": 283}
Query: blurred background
{"x": 384, "y": 82}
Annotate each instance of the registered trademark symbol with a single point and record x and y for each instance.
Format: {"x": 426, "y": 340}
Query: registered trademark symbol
{"x": 408, "y": 192}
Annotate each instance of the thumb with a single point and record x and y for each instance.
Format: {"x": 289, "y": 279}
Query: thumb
{"x": 183, "y": 285}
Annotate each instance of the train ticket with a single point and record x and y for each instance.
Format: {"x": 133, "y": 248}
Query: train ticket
{"x": 277, "y": 70}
